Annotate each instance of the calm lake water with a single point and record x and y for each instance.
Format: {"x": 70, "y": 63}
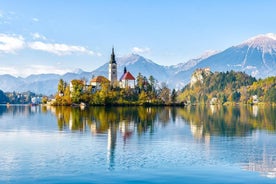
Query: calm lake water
{"x": 137, "y": 145}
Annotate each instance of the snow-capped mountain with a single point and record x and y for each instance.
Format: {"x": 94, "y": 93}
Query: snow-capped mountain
{"x": 255, "y": 56}
{"x": 192, "y": 62}
{"x": 135, "y": 64}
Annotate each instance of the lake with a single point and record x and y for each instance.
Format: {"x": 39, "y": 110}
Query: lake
{"x": 203, "y": 144}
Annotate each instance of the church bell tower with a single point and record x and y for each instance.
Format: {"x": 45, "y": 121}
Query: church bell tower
{"x": 112, "y": 69}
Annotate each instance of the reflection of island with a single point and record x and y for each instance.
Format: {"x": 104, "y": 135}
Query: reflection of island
{"x": 237, "y": 121}
{"x": 240, "y": 132}
{"x": 111, "y": 144}
{"x": 16, "y": 110}
{"x": 126, "y": 129}
{"x": 110, "y": 121}
{"x": 204, "y": 123}
{"x": 263, "y": 159}
{"x": 266, "y": 167}
{"x": 228, "y": 121}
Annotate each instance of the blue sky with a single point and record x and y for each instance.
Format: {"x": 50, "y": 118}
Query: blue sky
{"x": 56, "y": 36}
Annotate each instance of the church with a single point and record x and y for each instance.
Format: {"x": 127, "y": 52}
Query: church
{"x": 125, "y": 81}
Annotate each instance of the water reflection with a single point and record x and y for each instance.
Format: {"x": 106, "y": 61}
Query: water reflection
{"x": 242, "y": 135}
{"x": 203, "y": 120}
{"x": 228, "y": 121}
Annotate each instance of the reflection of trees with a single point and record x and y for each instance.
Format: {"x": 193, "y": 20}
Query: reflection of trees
{"x": 229, "y": 121}
{"x": 19, "y": 110}
{"x": 164, "y": 115}
{"x": 99, "y": 119}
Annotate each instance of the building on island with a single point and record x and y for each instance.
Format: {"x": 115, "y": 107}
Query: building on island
{"x": 127, "y": 80}
{"x": 97, "y": 83}
{"x": 112, "y": 69}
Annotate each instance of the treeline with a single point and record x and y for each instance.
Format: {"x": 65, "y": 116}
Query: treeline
{"x": 18, "y": 98}
{"x": 229, "y": 87}
{"x": 146, "y": 91}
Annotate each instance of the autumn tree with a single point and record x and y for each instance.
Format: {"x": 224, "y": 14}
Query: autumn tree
{"x": 164, "y": 94}
{"x": 76, "y": 90}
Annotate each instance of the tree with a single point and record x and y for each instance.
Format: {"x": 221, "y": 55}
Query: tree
{"x": 61, "y": 86}
{"x": 76, "y": 90}
{"x": 143, "y": 97}
{"x": 173, "y": 96}
{"x": 271, "y": 95}
{"x": 164, "y": 94}
{"x": 44, "y": 99}
{"x": 152, "y": 82}
{"x": 192, "y": 99}
{"x": 140, "y": 80}
{"x": 3, "y": 97}
{"x": 235, "y": 97}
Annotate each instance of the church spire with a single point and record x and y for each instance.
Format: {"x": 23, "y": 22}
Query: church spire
{"x": 112, "y": 69}
{"x": 112, "y": 58}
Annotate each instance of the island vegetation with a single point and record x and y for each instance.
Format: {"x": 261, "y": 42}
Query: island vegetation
{"x": 146, "y": 92}
{"x": 206, "y": 88}
{"x": 228, "y": 88}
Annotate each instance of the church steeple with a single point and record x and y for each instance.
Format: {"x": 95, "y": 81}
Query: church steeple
{"x": 112, "y": 57}
{"x": 112, "y": 69}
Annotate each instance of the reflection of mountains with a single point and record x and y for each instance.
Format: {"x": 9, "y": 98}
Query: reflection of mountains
{"x": 228, "y": 121}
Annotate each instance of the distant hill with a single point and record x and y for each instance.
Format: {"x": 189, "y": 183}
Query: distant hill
{"x": 206, "y": 86}
{"x": 255, "y": 56}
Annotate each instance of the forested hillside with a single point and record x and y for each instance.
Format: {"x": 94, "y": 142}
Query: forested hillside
{"x": 237, "y": 87}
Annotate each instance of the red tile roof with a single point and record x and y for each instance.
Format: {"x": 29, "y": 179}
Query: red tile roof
{"x": 127, "y": 76}
{"x": 100, "y": 79}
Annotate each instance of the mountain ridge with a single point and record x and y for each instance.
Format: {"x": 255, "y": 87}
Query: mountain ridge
{"x": 255, "y": 56}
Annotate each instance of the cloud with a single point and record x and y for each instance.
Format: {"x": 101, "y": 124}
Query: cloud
{"x": 10, "y": 44}
{"x": 138, "y": 50}
{"x": 8, "y": 70}
{"x": 33, "y": 69}
{"x": 39, "y": 69}
{"x": 13, "y": 43}
{"x": 35, "y": 19}
{"x": 37, "y": 36}
{"x": 59, "y": 49}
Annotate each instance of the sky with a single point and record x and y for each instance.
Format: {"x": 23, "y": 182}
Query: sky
{"x": 59, "y": 36}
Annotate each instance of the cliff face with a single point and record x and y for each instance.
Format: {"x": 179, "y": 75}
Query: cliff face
{"x": 199, "y": 75}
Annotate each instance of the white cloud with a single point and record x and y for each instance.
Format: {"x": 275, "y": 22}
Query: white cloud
{"x": 59, "y": 49}
{"x": 39, "y": 69}
{"x": 13, "y": 43}
{"x": 37, "y": 36}
{"x": 8, "y": 70}
{"x": 35, "y": 19}
{"x": 138, "y": 50}
{"x": 9, "y": 44}
{"x": 33, "y": 69}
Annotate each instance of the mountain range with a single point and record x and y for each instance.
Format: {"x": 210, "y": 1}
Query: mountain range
{"x": 255, "y": 56}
